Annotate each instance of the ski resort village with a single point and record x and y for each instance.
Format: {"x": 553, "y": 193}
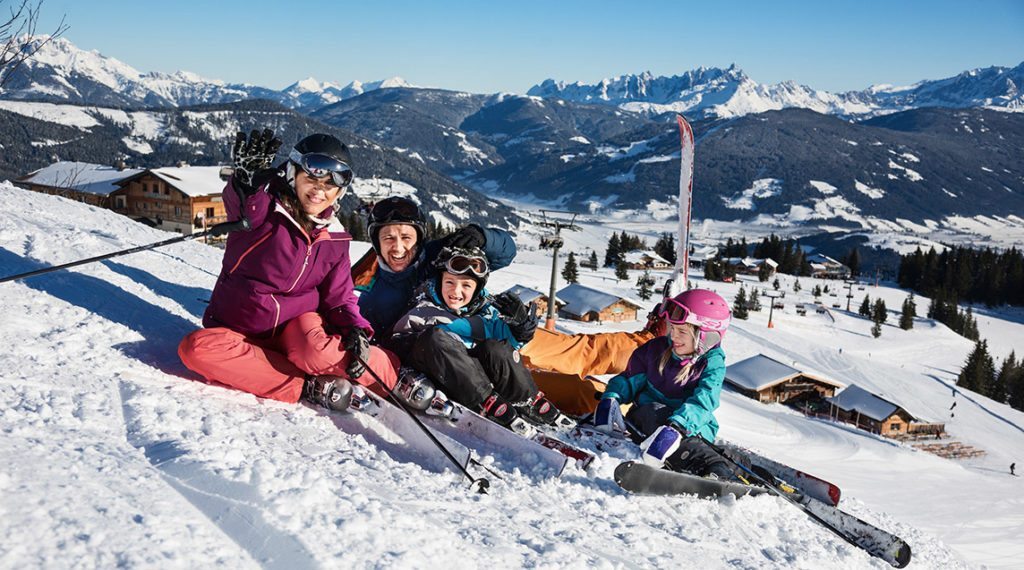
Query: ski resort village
{"x": 646, "y": 321}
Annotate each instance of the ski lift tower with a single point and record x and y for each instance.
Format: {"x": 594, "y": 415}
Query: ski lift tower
{"x": 553, "y": 240}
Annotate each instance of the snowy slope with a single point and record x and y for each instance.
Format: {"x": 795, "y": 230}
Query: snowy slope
{"x": 110, "y": 457}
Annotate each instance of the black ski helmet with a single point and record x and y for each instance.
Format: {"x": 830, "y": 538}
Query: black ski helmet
{"x": 395, "y": 210}
{"x": 318, "y": 143}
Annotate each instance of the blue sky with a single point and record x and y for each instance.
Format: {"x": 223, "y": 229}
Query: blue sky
{"x": 485, "y": 47}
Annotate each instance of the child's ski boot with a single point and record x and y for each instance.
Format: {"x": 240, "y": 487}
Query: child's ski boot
{"x": 539, "y": 410}
{"x": 496, "y": 409}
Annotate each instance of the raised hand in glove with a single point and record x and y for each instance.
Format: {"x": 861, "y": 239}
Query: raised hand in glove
{"x": 468, "y": 237}
{"x": 357, "y": 345}
{"x": 521, "y": 319}
{"x": 251, "y": 154}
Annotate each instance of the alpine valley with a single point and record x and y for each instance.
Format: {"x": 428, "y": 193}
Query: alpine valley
{"x": 938, "y": 161}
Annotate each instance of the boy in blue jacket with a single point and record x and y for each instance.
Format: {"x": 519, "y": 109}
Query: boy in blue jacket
{"x": 467, "y": 342}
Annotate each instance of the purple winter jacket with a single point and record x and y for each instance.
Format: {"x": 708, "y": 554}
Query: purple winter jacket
{"x": 275, "y": 272}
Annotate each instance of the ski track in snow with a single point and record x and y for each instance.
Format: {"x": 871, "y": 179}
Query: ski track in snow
{"x": 112, "y": 458}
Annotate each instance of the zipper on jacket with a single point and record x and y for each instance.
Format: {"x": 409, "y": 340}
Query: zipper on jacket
{"x": 305, "y": 263}
{"x": 277, "y": 315}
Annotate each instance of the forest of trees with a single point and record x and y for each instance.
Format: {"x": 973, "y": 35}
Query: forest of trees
{"x": 965, "y": 275}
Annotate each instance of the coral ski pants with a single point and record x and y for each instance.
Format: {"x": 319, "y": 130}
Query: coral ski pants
{"x": 275, "y": 368}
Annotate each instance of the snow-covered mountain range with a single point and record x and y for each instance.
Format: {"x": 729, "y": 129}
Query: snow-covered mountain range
{"x": 62, "y": 72}
{"x": 723, "y": 93}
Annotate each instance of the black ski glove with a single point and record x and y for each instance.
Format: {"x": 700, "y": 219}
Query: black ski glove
{"x": 521, "y": 319}
{"x": 358, "y": 346}
{"x": 468, "y": 237}
{"x": 250, "y": 155}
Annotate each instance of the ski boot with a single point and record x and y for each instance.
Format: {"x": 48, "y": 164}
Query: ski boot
{"x": 331, "y": 392}
{"x": 540, "y": 411}
{"x": 496, "y": 409}
{"x": 418, "y": 392}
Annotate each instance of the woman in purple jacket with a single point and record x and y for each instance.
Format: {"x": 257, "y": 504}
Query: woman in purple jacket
{"x": 283, "y": 321}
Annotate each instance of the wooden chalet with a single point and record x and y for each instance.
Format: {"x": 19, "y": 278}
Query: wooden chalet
{"x": 641, "y": 259}
{"x": 767, "y": 380}
{"x": 824, "y": 267}
{"x": 876, "y": 414}
{"x": 528, "y": 295}
{"x": 750, "y": 265}
{"x": 80, "y": 181}
{"x": 184, "y": 199}
{"x": 586, "y": 304}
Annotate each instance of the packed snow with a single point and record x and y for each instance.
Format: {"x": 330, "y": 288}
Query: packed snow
{"x": 113, "y": 456}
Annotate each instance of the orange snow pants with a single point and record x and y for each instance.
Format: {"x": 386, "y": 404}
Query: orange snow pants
{"x": 560, "y": 364}
{"x": 276, "y": 368}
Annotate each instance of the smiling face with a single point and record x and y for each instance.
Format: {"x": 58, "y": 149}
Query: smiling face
{"x": 683, "y": 338}
{"x": 456, "y": 290}
{"x": 397, "y": 245}
{"x": 315, "y": 195}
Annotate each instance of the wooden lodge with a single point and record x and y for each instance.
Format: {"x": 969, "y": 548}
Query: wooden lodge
{"x": 80, "y": 181}
{"x": 876, "y": 414}
{"x": 640, "y": 259}
{"x": 183, "y": 199}
{"x": 590, "y": 305}
{"x": 767, "y": 380}
{"x": 528, "y": 295}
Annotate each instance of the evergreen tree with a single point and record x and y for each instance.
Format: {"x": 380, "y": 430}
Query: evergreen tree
{"x": 614, "y": 251}
{"x": 816, "y": 291}
{"x": 907, "y": 313}
{"x": 796, "y": 286}
{"x": 865, "y": 307}
{"x": 739, "y": 305}
{"x": 879, "y": 313}
{"x": 1015, "y": 387}
{"x": 876, "y": 330}
{"x": 593, "y": 260}
{"x": 713, "y": 270}
{"x": 666, "y": 247}
{"x": 755, "y": 300}
{"x": 764, "y": 273}
{"x": 776, "y": 285}
{"x": 1000, "y": 389}
{"x": 979, "y": 369}
{"x": 852, "y": 261}
{"x": 569, "y": 271}
{"x": 621, "y": 270}
{"x": 645, "y": 285}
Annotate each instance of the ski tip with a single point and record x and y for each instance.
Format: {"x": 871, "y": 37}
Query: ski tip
{"x": 621, "y": 470}
{"x": 902, "y": 556}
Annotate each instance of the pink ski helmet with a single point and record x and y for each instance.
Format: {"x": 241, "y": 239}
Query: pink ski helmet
{"x": 704, "y": 309}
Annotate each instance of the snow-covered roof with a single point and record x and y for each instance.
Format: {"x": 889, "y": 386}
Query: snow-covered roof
{"x": 643, "y": 256}
{"x": 580, "y": 300}
{"x": 194, "y": 181}
{"x": 752, "y": 262}
{"x": 856, "y": 399}
{"x": 823, "y": 259}
{"x": 760, "y": 372}
{"x": 528, "y": 295}
{"x": 97, "y": 179}
{"x": 703, "y": 253}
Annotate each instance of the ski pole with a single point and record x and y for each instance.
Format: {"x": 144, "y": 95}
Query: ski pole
{"x": 217, "y": 230}
{"x": 776, "y": 491}
{"x": 480, "y": 485}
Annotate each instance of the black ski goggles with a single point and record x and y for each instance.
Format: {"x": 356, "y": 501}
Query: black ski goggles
{"x": 394, "y": 210}
{"x": 462, "y": 264}
{"x": 320, "y": 166}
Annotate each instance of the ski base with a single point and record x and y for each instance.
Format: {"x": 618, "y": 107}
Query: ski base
{"x": 643, "y": 479}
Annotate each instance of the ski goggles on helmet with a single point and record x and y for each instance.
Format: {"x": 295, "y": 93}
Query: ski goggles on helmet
{"x": 394, "y": 210}
{"x": 320, "y": 166}
{"x": 462, "y": 264}
{"x": 675, "y": 312}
